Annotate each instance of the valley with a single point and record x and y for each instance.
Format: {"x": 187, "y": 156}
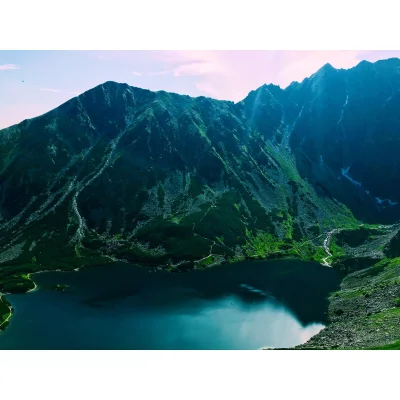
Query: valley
{"x": 174, "y": 183}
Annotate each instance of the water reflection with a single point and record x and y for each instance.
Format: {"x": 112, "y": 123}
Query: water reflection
{"x": 244, "y": 306}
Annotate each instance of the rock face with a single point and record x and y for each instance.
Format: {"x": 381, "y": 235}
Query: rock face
{"x": 365, "y": 312}
{"x": 346, "y": 137}
{"x": 180, "y": 182}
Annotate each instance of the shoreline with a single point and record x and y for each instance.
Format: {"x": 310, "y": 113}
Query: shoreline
{"x": 34, "y": 289}
{"x": 43, "y": 286}
{"x": 279, "y": 255}
{"x": 42, "y": 272}
{"x": 10, "y": 310}
{"x": 151, "y": 269}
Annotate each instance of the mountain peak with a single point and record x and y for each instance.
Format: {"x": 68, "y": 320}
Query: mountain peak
{"x": 364, "y": 63}
{"x": 326, "y": 68}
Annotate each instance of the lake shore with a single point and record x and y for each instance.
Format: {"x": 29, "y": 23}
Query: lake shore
{"x": 4, "y": 324}
{"x": 251, "y": 293}
{"x": 5, "y": 305}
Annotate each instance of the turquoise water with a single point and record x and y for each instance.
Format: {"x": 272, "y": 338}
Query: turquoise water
{"x": 247, "y": 305}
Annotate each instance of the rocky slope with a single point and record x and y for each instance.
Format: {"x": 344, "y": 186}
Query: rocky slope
{"x": 346, "y": 138}
{"x": 179, "y": 183}
{"x": 365, "y": 313}
{"x": 157, "y": 178}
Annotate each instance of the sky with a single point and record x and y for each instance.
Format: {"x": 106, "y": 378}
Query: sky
{"x": 34, "y": 82}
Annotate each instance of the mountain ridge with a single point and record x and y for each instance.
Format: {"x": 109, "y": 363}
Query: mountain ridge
{"x": 106, "y": 116}
{"x": 177, "y": 183}
{"x": 362, "y": 62}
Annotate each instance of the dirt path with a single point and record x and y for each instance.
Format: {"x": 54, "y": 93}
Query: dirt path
{"x": 327, "y": 242}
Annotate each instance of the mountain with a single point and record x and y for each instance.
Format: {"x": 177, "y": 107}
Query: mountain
{"x": 155, "y": 178}
{"x": 346, "y": 136}
{"x": 174, "y": 182}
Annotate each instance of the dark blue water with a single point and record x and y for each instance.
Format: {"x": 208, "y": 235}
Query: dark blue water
{"x": 247, "y": 305}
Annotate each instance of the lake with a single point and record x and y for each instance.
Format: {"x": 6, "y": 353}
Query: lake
{"x": 247, "y": 305}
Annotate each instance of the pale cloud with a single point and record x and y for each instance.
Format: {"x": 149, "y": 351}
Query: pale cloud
{"x": 231, "y": 75}
{"x": 194, "y": 62}
{"x": 156, "y": 73}
{"x": 50, "y": 90}
{"x": 227, "y": 75}
{"x": 7, "y": 67}
{"x": 222, "y": 74}
{"x": 197, "y": 68}
{"x": 59, "y": 91}
{"x": 207, "y": 88}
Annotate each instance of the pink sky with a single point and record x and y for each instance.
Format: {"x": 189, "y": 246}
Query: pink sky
{"x": 231, "y": 75}
{"x": 51, "y": 78}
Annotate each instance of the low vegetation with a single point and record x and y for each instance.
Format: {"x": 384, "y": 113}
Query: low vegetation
{"x": 5, "y": 312}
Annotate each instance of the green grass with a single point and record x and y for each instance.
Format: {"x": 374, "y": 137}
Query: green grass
{"x": 288, "y": 224}
{"x": 307, "y": 251}
{"x": 176, "y": 220}
{"x": 392, "y": 312}
{"x": 4, "y": 311}
{"x": 206, "y": 261}
{"x": 385, "y": 267}
{"x": 388, "y": 262}
{"x": 261, "y": 245}
{"x": 335, "y": 249}
{"x": 391, "y": 346}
